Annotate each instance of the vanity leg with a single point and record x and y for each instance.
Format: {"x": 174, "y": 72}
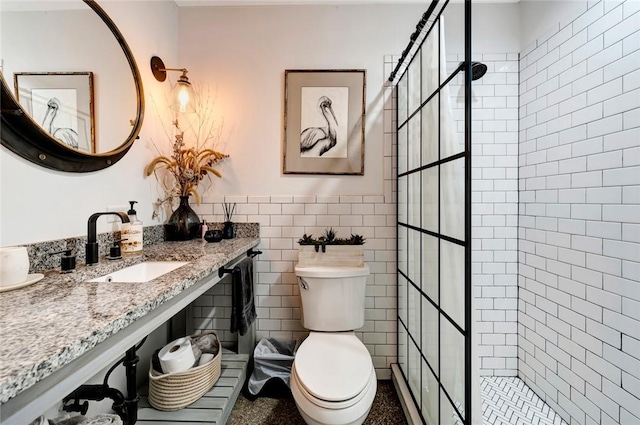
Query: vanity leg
{"x": 178, "y": 325}
{"x": 131, "y": 402}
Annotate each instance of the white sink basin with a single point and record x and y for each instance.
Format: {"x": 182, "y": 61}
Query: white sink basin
{"x": 143, "y": 272}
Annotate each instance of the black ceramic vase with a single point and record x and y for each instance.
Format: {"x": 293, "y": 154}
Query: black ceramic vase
{"x": 228, "y": 230}
{"x": 184, "y": 223}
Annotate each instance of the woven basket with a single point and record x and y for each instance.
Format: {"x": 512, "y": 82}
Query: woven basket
{"x": 175, "y": 391}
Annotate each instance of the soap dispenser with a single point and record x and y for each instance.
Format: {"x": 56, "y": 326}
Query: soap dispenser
{"x": 132, "y": 232}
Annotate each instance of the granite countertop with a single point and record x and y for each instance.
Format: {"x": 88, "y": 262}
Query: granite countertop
{"x": 49, "y": 324}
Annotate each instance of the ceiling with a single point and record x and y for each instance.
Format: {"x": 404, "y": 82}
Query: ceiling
{"x": 40, "y": 5}
{"x": 189, "y": 3}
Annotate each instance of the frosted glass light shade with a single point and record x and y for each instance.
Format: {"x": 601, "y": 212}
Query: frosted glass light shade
{"x": 182, "y": 96}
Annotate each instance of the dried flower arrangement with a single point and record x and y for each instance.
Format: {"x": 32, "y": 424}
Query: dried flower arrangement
{"x": 189, "y": 162}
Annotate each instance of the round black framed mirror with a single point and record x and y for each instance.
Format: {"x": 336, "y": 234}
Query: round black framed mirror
{"x": 33, "y": 139}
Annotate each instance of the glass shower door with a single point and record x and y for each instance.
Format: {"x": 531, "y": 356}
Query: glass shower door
{"x": 434, "y": 279}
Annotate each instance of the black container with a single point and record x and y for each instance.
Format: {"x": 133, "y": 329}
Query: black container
{"x": 228, "y": 231}
{"x": 213, "y": 236}
{"x": 184, "y": 223}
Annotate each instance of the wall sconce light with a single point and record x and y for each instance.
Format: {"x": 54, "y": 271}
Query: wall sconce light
{"x": 182, "y": 92}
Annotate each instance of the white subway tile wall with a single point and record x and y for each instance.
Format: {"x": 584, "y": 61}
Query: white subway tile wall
{"x": 579, "y": 250}
{"x": 283, "y": 220}
{"x": 494, "y": 207}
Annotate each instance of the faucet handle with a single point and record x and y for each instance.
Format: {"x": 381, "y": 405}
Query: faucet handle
{"x": 67, "y": 261}
{"x": 115, "y": 253}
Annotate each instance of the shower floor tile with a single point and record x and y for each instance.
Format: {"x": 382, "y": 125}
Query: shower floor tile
{"x": 509, "y": 401}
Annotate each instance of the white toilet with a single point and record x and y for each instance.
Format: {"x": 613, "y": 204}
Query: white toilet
{"x": 333, "y": 380}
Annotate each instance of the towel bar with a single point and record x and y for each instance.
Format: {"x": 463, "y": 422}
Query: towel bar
{"x": 222, "y": 271}
{"x": 251, "y": 253}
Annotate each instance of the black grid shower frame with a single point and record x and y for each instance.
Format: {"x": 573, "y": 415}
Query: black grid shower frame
{"x": 465, "y": 67}
{"x": 440, "y": 236}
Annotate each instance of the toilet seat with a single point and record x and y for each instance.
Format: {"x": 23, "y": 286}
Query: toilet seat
{"x": 333, "y": 368}
{"x": 332, "y": 405}
{"x": 315, "y": 411}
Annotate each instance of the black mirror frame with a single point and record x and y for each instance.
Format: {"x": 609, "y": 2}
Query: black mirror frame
{"x": 24, "y": 137}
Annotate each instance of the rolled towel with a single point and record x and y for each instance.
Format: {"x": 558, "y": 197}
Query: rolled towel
{"x": 207, "y": 343}
{"x": 104, "y": 419}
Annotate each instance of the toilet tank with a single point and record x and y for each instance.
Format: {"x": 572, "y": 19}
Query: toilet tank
{"x": 332, "y": 297}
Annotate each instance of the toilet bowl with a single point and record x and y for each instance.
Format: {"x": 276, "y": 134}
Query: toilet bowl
{"x": 333, "y": 380}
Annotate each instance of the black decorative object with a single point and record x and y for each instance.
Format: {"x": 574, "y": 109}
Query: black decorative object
{"x": 228, "y": 230}
{"x": 330, "y": 238}
{"x": 213, "y": 236}
{"x": 184, "y": 223}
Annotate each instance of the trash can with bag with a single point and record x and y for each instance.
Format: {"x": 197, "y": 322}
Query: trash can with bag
{"x": 272, "y": 360}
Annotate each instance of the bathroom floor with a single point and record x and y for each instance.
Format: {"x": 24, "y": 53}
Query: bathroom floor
{"x": 505, "y": 401}
{"x": 386, "y": 410}
{"x": 509, "y": 401}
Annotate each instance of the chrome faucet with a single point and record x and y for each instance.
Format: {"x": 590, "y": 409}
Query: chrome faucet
{"x": 91, "y": 249}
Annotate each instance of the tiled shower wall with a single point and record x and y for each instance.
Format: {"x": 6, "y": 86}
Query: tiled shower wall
{"x": 579, "y": 261}
{"x": 494, "y": 206}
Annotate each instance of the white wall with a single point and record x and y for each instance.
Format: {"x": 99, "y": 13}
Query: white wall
{"x": 38, "y": 204}
{"x": 579, "y": 229}
{"x": 494, "y": 28}
{"x": 243, "y": 52}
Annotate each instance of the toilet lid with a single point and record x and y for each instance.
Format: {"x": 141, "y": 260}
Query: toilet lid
{"x": 333, "y": 366}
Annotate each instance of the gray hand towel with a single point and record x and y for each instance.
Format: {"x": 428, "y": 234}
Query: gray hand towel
{"x": 243, "y": 308}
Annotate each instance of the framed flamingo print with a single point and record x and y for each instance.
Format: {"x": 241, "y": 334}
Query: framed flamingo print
{"x": 324, "y": 121}
{"x": 62, "y": 103}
